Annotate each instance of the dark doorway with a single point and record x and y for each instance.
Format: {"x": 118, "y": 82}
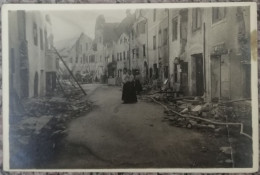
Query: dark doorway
{"x": 199, "y": 76}
{"x": 151, "y": 72}
{"x": 36, "y": 81}
{"x": 184, "y": 78}
{"x": 50, "y": 82}
{"x": 24, "y": 74}
{"x": 146, "y": 69}
{"x": 166, "y": 72}
{"x": 247, "y": 84}
{"x": 220, "y": 77}
{"x": 215, "y": 77}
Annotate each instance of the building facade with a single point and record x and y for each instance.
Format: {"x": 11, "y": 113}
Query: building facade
{"x": 33, "y": 63}
{"x": 209, "y": 52}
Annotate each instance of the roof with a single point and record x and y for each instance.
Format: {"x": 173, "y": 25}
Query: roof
{"x": 109, "y": 32}
{"x": 125, "y": 25}
{"x": 112, "y": 31}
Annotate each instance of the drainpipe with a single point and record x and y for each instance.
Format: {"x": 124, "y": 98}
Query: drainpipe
{"x": 168, "y": 48}
{"x": 146, "y": 41}
{"x": 204, "y": 57}
{"x": 129, "y": 41}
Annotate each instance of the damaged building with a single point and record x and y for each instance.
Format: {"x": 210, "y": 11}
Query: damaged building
{"x": 210, "y": 57}
{"x": 193, "y": 51}
{"x": 33, "y": 63}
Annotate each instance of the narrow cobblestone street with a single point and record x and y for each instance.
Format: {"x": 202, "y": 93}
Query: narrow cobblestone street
{"x": 132, "y": 135}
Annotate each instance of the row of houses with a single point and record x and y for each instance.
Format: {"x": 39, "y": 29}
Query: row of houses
{"x": 199, "y": 51}
{"x": 33, "y": 63}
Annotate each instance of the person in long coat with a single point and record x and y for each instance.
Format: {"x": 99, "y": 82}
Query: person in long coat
{"x": 129, "y": 92}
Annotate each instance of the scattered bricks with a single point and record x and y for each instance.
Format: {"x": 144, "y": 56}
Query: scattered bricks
{"x": 205, "y": 114}
{"x": 197, "y": 108}
{"x": 193, "y": 102}
{"x": 226, "y": 149}
{"x": 184, "y": 111}
{"x": 228, "y": 161}
{"x": 211, "y": 126}
{"x": 206, "y": 107}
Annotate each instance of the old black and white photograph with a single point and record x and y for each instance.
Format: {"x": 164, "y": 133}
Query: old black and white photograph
{"x": 139, "y": 87}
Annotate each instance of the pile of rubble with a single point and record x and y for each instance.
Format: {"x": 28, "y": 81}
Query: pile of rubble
{"x": 42, "y": 124}
{"x": 194, "y": 112}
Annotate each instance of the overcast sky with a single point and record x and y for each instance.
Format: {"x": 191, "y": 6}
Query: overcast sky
{"x": 70, "y": 24}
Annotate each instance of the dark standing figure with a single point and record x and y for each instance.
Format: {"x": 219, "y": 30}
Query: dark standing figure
{"x": 128, "y": 94}
{"x": 138, "y": 85}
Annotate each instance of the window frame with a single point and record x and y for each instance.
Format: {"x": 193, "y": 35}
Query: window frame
{"x": 197, "y": 14}
{"x": 154, "y": 42}
{"x": 175, "y": 29}
{"x": 35, "y": 34}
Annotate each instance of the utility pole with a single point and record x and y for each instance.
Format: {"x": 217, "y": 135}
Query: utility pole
{"x": 83, "y": 91}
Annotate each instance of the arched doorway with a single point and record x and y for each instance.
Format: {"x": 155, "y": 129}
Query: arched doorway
{"x": 36, "y": 81}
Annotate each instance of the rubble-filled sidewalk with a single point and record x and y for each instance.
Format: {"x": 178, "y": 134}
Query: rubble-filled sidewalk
{"x": 231, "y": 119}
{"x": 35, "y": 133}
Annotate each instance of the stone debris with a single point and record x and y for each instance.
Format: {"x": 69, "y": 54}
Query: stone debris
{"x": 42, "y": 125}
{"x": 226, "y": 150}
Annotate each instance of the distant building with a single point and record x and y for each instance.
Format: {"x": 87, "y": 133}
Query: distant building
{"x": 158, "y": 44}
{"x": 121, "y": 53}
{"x": 139, "y": 43}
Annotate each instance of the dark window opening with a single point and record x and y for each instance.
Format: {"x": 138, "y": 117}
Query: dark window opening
{"x": 196, "y": 19}
{"x": 41, "y": 39}
{"x": 174, "y": 29}
{"x": 218, "y": 13}
{"x": 144, "y": 51}
{"x": 154, "y": 42}
{"x": 35, "y": 34}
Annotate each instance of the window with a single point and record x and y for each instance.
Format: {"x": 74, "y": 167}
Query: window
{"x": 165, "y": 36}
{"x": 133, "y": 52}
{"x": 86, "y": 46}
{"x": 95, "y": 47}
{"x": 144, "y": 51}
{"x": 196, "y": 19}
{"x": 140, "y": 28}
{"x": 128, "y": 55}
{"x": 35, "y": 34}
{"x": 154, "y": 14}
{"x": 132, "y": 33}
{"x": 113, "y": 57}
{"x": 120, "y": 56}
{"x": 41, "y": 39}
{"x": 46, "y": 39}
{"x": 100, "y": 58}
{"x": 84, "y": 58}
{"x": 174, "y": 29}
{"x": 124, "y": 55}
{"x": 117, "y": 56}
{"x": 218, "y": 13}
{"x": 12, "y": 61}
{"x": 92, "y": 58}
{"x": 154, "y": 42}
{"x": 137, "y": 52}
{"x": 175, "y": 73}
